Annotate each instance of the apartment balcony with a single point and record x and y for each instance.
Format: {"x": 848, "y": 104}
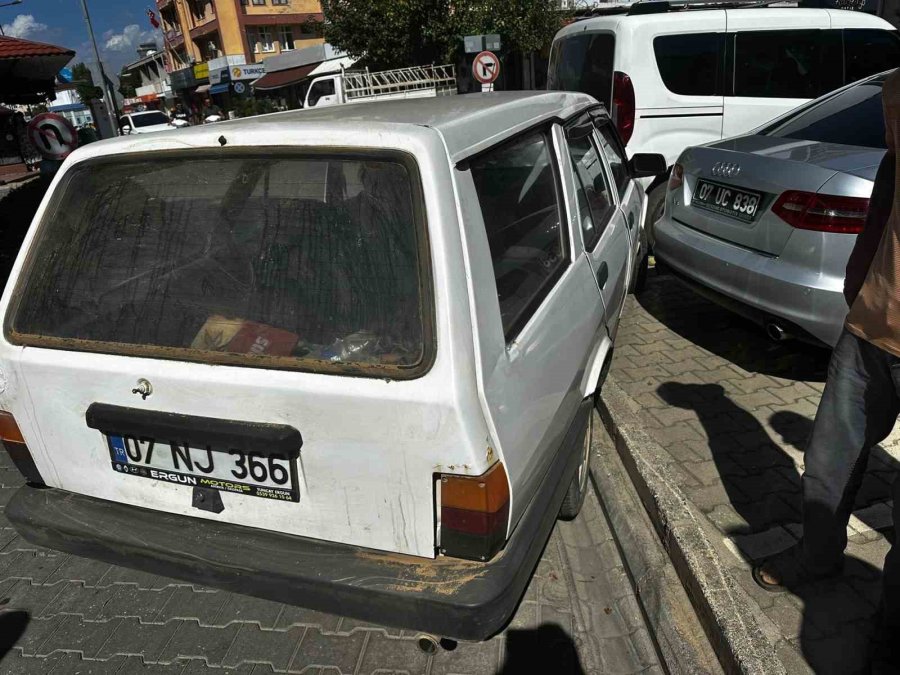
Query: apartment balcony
{"x": 161, "y": 4}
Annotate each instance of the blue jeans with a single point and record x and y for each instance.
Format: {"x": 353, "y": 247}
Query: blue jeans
{"x": 858, "y": 410}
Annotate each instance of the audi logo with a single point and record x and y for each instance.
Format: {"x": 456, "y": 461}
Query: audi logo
{"x": 726, "y": 169}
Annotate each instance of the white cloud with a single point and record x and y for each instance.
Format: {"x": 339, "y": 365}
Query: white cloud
{"x": 128, "y": 40}
{"x": 24, "y": 26}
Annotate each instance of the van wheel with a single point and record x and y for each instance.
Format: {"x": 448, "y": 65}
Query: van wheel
{"x": 578, "y": 487}
{"x": 656, "y": 205}
{"x": 639, "y": 282}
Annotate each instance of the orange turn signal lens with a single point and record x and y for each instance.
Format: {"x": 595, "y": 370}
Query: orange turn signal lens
{"x": 486, "y": 493}
{"x": 9, "y": 430}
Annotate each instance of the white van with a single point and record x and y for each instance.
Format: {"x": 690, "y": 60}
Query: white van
{"x": 362, "y": 86}
{"x": 673, "y": 78}
{"x": 342, "y": 358}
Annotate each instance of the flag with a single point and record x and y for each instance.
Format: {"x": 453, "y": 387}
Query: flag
{"x": 153, "y": 20}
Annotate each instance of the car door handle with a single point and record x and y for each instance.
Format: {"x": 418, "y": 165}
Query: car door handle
{"x": 603, "y": 275}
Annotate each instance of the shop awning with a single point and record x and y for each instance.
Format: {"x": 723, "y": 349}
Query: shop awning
{"x": 283, "y": 78}
{"x": 202, "y": 89}
{"x": 220, "y": 88}
{"x": 28, "y": 69}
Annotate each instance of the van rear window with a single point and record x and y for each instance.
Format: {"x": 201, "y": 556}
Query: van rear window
{"x": 270, "y": 260}
{"x": 583, "y": 62}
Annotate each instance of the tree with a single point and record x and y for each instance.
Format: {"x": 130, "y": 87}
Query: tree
{"x": 83, "y": 80}
{"x": 398, "y": 33}
{"x": 126, "y": 84}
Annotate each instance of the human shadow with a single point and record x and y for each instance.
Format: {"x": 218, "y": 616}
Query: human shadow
{"x": 763, "y": 486}
{"x": 12, "y": 627}
{"x": 729, "y": 335}
{"x": 17, "y": 208}
{"x": 545, "y": 649}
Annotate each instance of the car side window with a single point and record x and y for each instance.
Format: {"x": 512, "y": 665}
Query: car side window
{"x": 868, "y": 51}
{"x": 518, "y": 192}
{"x": 320, "y": 89}
{"x": 691, "y": 64}
{"x": 612, "y": 149}
{"x": 595, "y": 200}
{"x": 787, "y": 63}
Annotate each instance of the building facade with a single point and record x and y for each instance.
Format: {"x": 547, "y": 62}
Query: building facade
{"x": 149, "y": 78}
{"x": 244, "y": 31}
{"x": 70, "y": 106}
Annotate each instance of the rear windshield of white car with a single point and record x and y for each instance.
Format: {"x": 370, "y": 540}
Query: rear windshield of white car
{"x": 583, "y": 62}
{"x": 149, "y": 119}
{"x": 853, "y": 117}
{"x": 308, "y": 262}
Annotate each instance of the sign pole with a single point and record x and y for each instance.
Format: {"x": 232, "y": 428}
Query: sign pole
{"x": 107, "y": 95}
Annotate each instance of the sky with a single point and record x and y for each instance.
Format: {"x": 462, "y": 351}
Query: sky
{"x": 119, "y": 25}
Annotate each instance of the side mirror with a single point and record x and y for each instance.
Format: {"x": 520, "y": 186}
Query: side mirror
{"x": 646, "y": 165}
{"x": 126, "y": 129}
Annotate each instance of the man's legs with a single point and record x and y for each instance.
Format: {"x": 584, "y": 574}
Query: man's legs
{"x": 858, "y": 410}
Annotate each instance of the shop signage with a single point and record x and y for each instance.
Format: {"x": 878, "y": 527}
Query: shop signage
{"x": 201, "y": 71}
{"x": 248, "y": 72}
{"x": 219, "y": 75}
{"x": 182, "y": 79}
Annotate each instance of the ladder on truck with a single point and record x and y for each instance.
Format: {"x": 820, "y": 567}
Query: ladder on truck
{"x": 359, "y": 85}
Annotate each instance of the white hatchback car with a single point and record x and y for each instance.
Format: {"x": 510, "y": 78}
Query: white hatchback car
{"x": 673, "y": 77}
{"x": 342, "y": 358}
{"x": 148, "y": 122}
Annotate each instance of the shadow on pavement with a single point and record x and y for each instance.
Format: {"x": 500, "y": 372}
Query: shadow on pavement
{"x": 729, "y": 335}
{"x": 17, "y": 209}
{"x": 763, "y": 487}
{"x": 545, "y": 649}
{"x": 12, "y": 627}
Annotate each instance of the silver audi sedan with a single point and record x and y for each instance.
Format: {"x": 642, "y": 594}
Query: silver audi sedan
{"x": 764, "y": 223}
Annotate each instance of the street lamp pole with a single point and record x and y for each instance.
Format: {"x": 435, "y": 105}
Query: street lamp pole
{"x": 107, "y": 94}
{"x": 8, "y": 4}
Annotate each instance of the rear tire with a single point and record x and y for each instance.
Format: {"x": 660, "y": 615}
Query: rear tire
{"x": 578, "y": 488}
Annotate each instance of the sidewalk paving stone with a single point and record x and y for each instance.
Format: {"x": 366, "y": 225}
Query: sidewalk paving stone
{"x": 738, "y": 416}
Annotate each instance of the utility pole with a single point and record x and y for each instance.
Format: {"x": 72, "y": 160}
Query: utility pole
{"x": 8, "y": 4}
{"x": 107, "y": 94}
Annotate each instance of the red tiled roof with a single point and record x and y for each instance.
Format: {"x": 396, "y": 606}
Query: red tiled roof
{"x": 16, "y": 48}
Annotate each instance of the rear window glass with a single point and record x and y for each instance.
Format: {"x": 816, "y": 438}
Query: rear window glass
{"x": 853, "y": 117}
{"x": 296, "y": 262}
{"x": 149, "y": 119}
{"x": 584, "y": 63}
{"x": 690, "y": 64}
{"x": 787, "y": 63}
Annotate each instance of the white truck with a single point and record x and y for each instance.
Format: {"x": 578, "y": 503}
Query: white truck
{"x": 359, "y": 86}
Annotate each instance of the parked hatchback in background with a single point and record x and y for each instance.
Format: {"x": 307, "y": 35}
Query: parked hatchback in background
{"x": 326, "y": 362}
{"x": 713, "y": 73}
{"x": 147, "y": 122}
{"x": 765, "y": 223}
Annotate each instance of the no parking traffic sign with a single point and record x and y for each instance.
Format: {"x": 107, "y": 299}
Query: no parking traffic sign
{"x": 52, "y": 135}
{"x": 486, "y": 67}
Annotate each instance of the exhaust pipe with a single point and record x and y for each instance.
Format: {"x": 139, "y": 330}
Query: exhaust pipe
{"x": 776, "y": 332}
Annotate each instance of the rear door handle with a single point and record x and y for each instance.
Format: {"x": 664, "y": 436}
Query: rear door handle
{"x": 603, "y": 275}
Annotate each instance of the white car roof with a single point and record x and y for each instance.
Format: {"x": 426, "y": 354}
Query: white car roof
{"x": 468, "y": 123}
{"x": 838, "y": 18}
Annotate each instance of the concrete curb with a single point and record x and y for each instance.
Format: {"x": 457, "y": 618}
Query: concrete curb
{"x": 19, "y": 178}
{"x": 725, "y": 610}
{"x": 680, "y": 638}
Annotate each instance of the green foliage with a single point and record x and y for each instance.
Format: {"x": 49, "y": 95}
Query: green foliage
{"x": 398, "y": 33}
{"x": 84, "y": 84}
{"x": 248, "y": 107}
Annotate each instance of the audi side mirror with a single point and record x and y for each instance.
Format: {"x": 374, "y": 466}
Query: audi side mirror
{"x": 647, "y": 165}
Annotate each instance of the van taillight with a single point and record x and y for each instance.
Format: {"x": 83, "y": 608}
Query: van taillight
{"x": 14, "y": 444}
{"x": 474, "y": 513}
{"x": 623, "y": 106}
{"x": 823, "y": 213}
